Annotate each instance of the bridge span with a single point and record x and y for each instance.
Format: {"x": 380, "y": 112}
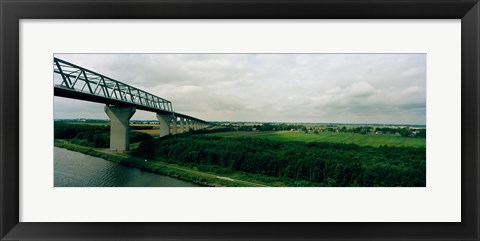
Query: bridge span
{"x": 121, "y": 101}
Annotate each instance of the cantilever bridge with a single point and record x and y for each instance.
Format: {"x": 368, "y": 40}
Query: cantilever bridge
{"x": 121, "y": 101}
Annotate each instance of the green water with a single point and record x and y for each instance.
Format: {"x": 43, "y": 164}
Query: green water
{"x": 73, "y": 169}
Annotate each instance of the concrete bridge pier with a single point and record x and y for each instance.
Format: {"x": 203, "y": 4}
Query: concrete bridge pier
{"x": 192, "y": 126}
{"x": 174, "y": 125}
{"x": 181, "y": 129}
{"x": 187, "y": 125}
{"x": 119, "y": 120}
{"x": 164, "y": 124}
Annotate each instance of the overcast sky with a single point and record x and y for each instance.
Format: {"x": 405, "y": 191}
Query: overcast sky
{"x": 323, "y": 88}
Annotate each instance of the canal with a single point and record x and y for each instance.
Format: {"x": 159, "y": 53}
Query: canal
{"x": 73, "y": 169}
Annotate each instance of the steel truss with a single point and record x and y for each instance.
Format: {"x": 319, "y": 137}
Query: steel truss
{"x": 78, "y": 79}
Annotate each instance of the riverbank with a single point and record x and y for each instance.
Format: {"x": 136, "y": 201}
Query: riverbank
{"x": 75, "y": 169}
{"x": 156, "y": 166}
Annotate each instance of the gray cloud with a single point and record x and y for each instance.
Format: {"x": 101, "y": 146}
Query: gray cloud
{"x": 347, "y": 88}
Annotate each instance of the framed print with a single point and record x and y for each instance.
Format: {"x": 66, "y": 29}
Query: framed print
{"x": 239, "y": 120}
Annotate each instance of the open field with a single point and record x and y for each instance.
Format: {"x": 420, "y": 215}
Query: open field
{"x": 87, "y": 123}
{"x": 333, "y": 137}
{"x": 157, "y": 126}
{"x": 152, "y": 132}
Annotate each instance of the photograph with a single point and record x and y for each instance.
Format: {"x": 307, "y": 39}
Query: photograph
{"x": 240, "y": 120}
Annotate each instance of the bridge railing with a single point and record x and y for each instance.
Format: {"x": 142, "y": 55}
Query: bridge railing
{"x": 76, "y": 78}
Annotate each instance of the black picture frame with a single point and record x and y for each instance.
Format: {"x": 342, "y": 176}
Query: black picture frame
{"x": 13, "y": 10}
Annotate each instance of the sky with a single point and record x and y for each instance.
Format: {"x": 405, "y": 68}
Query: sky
{"x": 299, "y": 88}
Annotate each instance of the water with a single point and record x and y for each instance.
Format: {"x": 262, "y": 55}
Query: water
{"x": 73, "y": 169}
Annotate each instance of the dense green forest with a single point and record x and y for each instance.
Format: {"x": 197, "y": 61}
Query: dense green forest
{"x": 91, "y": 135}
{"x": 328, "y": 164}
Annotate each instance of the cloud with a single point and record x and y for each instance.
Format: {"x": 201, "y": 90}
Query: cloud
{"x": 360, "y": 89}
{"x": 347, "y": 88}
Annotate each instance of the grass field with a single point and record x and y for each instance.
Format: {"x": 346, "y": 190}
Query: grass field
{"x": 334, "y": 137}
{"x": 89, "y": 123}
{"x": 152, "y": 132}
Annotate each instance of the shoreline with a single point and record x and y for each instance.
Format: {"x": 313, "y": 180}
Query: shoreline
{"x": 159, "y": 167}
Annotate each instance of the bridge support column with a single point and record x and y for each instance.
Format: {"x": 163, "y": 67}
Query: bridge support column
{"x": 164, "y": 124}
{"x": 174, "y": 125}
{"x": 119, "y": 120}
{"x": 182, "y": 129}
{"x": 187, "y": 125}
{"x": 191, "y": 125}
